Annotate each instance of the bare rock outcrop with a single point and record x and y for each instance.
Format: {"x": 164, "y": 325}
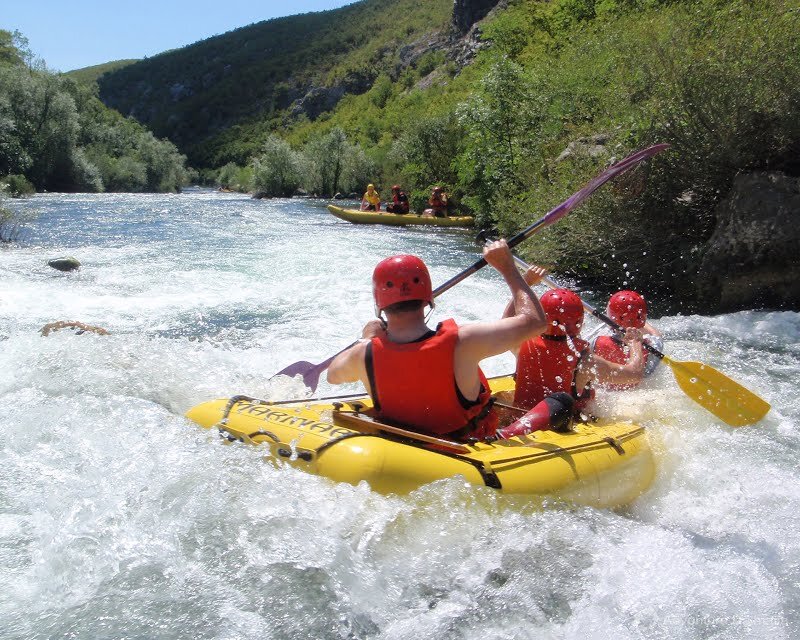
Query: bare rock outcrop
{"x": 467, "y": 12}
{"x": 751, "y": 259}
{"x": 460, "y": 43}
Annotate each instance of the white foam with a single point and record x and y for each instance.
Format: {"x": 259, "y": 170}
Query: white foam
{"x": 118, "y": 517}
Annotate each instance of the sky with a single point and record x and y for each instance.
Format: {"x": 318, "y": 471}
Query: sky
{"x": 72, "y": 34}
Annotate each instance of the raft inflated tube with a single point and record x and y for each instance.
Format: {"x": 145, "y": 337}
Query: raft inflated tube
{"x": 606, "y": 464}
{"x": 398, "y": 219}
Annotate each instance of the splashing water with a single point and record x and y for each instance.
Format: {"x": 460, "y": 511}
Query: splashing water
{"x": 119, "y": 518}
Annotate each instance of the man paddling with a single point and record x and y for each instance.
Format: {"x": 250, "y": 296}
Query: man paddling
{"x": 430, "y": 380}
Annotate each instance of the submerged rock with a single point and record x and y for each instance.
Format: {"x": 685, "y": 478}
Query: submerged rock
{"x": 79, "y": 328}
{"x": 64, "y": 264}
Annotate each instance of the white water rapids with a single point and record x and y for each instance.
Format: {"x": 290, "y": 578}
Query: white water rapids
{"x": 119, "y": 518}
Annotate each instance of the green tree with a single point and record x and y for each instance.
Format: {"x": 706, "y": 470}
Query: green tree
{"x": 45, "y": 126}
{"x": 85, "y": 175}
{"x": 226, "y": 178}
{"x": 235, "y": 178}
{"x": 358, "y": 170}
{"x": 502, "y": 121}
{"x": 324, "y": 159}
{"x": 122, "y": 174}
{"x": 426, "y": 149}
{"x": 276, "y": 172}
{"x": 381, "y": 91}
{"x": 14, "y": 49}
{"x": 165, "y": 166}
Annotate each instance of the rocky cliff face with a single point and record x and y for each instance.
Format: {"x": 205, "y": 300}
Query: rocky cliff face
{"x": 468, "y": 12}
{"x": 751, "y": 259}
{"x": 460, "y": 45}
{"x": 320, "y": 99}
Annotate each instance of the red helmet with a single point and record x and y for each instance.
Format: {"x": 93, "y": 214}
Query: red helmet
{"x": 564, "y": 311}
{"x": 437, "y": 189}
{"x": 395, "y": 187}
{"x": 401, "y": 278}
{"x": 628, "y": 309}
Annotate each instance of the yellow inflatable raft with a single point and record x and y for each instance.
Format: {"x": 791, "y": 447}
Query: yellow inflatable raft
{"x": 374, "y": 217}
{"x": 603, "y": 464}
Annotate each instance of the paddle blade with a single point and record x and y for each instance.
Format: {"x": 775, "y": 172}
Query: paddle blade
{"x": 716, "y": 392}
{"x": 309, "y": 371}
{"x": 598, "y": 181}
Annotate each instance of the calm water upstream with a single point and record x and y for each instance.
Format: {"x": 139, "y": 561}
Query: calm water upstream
{"x": 121, "y": 519}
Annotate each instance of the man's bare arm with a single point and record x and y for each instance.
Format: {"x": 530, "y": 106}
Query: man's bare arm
{"x": 481, "y": 340}
{"x": 594, "y": 367}
{"x": 350, "y": 365}
{"x": 533, "y": 276}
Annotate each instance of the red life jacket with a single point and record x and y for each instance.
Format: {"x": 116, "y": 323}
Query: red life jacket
{"x": 414, "y": 384}
{"x": 400, "y": 202}
{"x": 437, "y": 202}
{"x": 614, "y": 351}
{"x": 610, "y": 349}
{"x": 547, "y": 364}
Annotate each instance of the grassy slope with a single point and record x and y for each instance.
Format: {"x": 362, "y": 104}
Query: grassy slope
{"x": 89, "y": 75}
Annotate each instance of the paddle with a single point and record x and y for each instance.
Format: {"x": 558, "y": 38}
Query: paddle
{"x": 711, "y": 389}
{"x": 311, "y": 372}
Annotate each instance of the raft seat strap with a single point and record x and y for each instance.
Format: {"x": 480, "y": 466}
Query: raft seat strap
{"x": 262, "y": 432}
{"x": 513, "y": 407}
{"x": 615, "y": 444}
{"x": 490, "y": 478}
{"x": 230, "y": 436}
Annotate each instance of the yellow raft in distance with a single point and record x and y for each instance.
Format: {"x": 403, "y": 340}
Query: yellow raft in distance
{"x": 398, "y": 219}
{"x": 604, "y": 464}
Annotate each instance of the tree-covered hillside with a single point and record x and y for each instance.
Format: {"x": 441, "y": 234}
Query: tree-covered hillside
{"x": 256, "y": 72}
{"x": 558, "y": 89}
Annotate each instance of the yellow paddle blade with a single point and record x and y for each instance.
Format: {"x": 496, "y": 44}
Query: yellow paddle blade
{"x": 716, "y": 392}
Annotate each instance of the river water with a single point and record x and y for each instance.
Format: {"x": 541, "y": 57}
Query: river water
{"x": 121, "y": 519}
